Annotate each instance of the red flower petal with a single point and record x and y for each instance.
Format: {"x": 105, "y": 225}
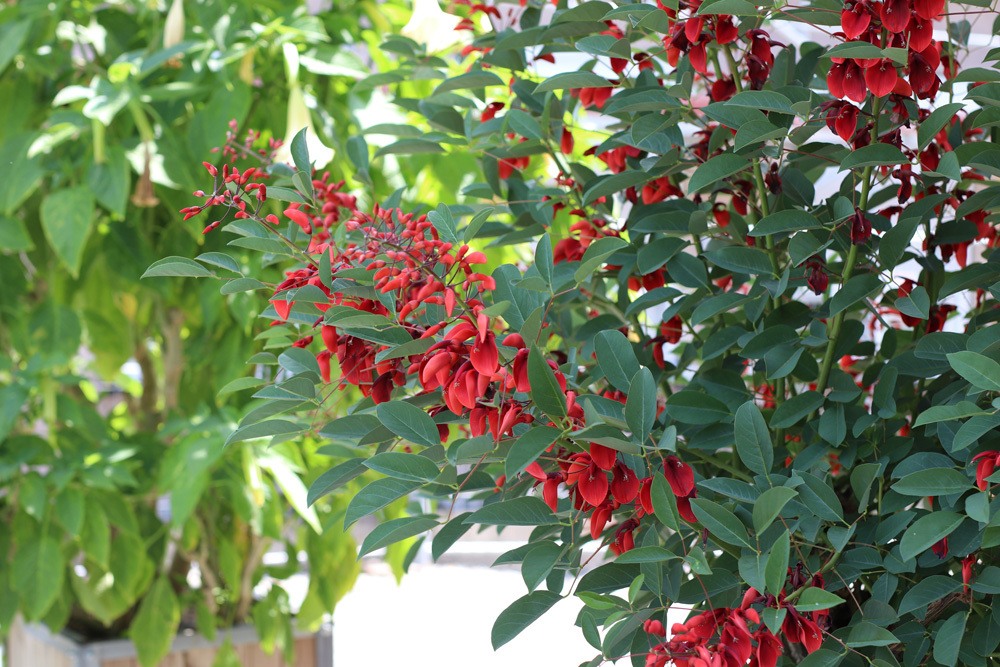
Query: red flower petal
{"x": 603, "y": 457}
{"x": 895, "y": 15}
{"x": 624, "y": 484}
{"x": 593, "y": 485}
{"x": 855, "y": 21}
{"x": 679, "y": 475}
{"x": 485, "y": 357}
{"x": 881, "y": 78}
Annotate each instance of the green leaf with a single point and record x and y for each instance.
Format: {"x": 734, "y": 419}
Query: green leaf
{"x": 862, "y": 478}
{"x": 915, "y": 304}
{"x": 929, "y": 589}
{"x": 873, "y": 155}
{"x": 745, "y": 261}
{"x": 763, "y": 100}
{"x": 789, "y": 220}
{"x": 646, "y": 555}
{"x": 815, "y": 599}
{"x": 776, "y": 567}
{"x": 155, "y": 625}
{"x": 300, "y": 151}
{"x": 67, "y": 217}
{"x": 720, "y": 522}
{"x": 538, "y": 563}
{"x": 942, "y": 413}
{"x": 640, "y": 407}
{"x": 756, "y": 131}
{"x": 522, "y": 511}
{"x": 596, "y": 253}
{"x": 933, "y": 482}
{"x": 334, "y": 478}
{"x": 869, "y": 634}
{"x": 221, "y": 260}
{"x": 567, "y": 80}
{"x": 14, "y": 235}
{"x": 926, "y": 531}
{"x": 856, "y": 289}
{"x": 476, "y": 79}
{"x": 859, "y": 49}
{"x": 528, "y": 448}
{"x": 796, "y": 408}
{"x": 265, "y": 429}
{"x": 450, "y": 533}
{"x": 938, "y": 118}
{"x": 978, "y": 369}
{"x": 769, "y": 505}
{"x": 820, "y": 497}
{"x": 664, "y": 503}
{"x": 409, "y": 422}
{"x": 545, "y": 390}
{"x": 37, "y": 573}
{"x": 753, "y": 440}
{"x": 948, "y": 639}
{"x": 375, "y": 496}
{"x": 717, "y": 168}
{"x": 616, "y": 358}
{"x": 523, "y": 612}
{"x": 176, "y": 267}
{"x": 693, "y": 407}
{"x": 241, "y": 285}
{"x": 402, "y": 465}
{"x": 396, "y": 530}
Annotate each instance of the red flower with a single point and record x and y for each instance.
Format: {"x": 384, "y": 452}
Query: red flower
{"x": 854, "y": 19}
{"x": 861, "y": 228}
{"x": 847, "y": 79}
{"x": 566, "y": 142}
{"x": 679, "y": 475}
{"x": 940, "y": 548}
{"x": 816, "y": 276}
{"x": 928, "y": 9}
{"x": 895, "y": 15}
{"x": 967, "y": 564}
{"x": 923, "y": 79}
{"x": 881, "y": 77}
{"x": 624, "y": 484}
{"x": 988, "y": 462}
{"x": 604, "y": 457}
{"x": 800, "y": 630}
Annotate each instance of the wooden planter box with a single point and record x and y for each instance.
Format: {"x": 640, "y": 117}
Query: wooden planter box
{"x": 33, "y": 645}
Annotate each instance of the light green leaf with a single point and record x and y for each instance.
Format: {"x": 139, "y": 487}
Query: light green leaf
{"x": 154, "y": 627}
{"x": 67, "y": 217}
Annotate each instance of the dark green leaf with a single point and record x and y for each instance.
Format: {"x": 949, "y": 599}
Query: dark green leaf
{"x": 640, "y": 407}
{"x": 409, "y": 422}
{"x": 401, "y": 465}
{"x": 519, "y": 615}
{"x": 715, "y": 169}
{"x": 529, "y": 447}
{"x": 720, "y": 522}
{"x": 545, "y": 389}
{"x": 753, "y": 440}
{"x": 926, "y": 531}
{"x": 523, "y": 511}
{"x": 394, "y": 531}
{"x": 932, "y": 482}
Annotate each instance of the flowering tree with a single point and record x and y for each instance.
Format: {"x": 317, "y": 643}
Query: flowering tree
{"x": 743, "y": 354}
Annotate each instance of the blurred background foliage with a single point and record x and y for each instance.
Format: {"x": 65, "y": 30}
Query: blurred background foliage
{"x": 124, "y": 507}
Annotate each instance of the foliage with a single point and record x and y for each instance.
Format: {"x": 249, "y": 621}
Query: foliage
{"x": 749, "y": 347}
{"x": 114, "y": 393}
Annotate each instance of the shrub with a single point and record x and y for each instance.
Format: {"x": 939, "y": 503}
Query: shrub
{"x": 743, "y": 347}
